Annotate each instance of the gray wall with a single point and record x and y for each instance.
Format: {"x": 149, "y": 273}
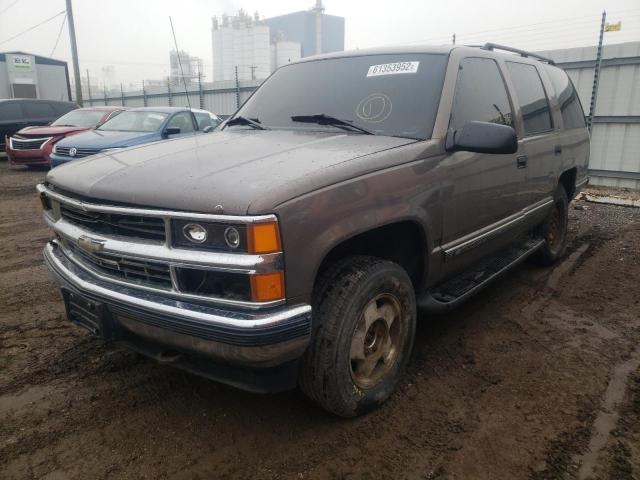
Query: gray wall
{"x": 301, "y": 27}
{"x": 615, "y": 138}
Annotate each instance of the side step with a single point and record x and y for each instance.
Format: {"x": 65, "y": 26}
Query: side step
{"x": 453, "y": 292}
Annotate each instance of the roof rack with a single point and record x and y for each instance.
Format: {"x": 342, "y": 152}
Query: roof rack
{"x": 523, "y": 53}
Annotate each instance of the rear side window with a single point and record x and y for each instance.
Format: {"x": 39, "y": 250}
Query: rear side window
{"x": 480, "y": 94}
{"x": 570, "y": 107}
{"x": 533, "y": 100}
{"x": 39, "y": 110}
{"x": 10, "y": 111}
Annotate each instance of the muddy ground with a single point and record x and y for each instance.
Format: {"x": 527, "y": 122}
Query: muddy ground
{"x": 537, "y": 378}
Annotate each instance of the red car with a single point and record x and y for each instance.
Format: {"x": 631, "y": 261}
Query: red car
{"x": 31, "y": 146}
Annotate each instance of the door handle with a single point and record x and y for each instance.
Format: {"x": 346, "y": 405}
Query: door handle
{"x": 557, "y": 150}
{"x": 522, "y": 161}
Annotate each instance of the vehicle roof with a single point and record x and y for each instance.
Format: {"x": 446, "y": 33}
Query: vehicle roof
{"x": 104, "y": 108}
{"x": 404, "y": 49}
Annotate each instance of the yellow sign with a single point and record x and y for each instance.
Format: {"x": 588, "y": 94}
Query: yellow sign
{"x": 613, "y": 27}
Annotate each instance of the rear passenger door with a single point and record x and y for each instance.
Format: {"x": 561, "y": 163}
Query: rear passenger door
{"x": 541, "y": 139}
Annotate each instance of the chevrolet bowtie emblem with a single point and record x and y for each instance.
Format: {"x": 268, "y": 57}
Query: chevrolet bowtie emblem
{"x": 90, "y": 244}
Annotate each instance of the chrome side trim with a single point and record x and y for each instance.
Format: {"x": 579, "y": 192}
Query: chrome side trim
{"x": 150, "y": 212}
{"x": 474, "y": 239}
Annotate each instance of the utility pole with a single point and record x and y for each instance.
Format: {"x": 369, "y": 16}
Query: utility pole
{"x": 144, "y": 95}
{"x": 74, "y": 53}
{"x": 121, "y": 94}
{"x": 596, "y": 74}
{"x": 89, "y": 88}
{"x": 237, "y": 89}
{"x": 453, "y": 41}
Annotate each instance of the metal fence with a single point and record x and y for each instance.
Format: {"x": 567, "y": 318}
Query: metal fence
{"x": 615, "y": 138}
{"x": 222, "y": 98}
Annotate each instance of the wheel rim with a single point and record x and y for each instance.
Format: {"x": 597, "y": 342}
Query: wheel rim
{"x": 377, "y": 340}
{"x": 555, "y": 232}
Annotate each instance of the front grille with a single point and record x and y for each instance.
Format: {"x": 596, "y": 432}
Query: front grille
{"x": 151, "y": 228}
{"x": 28, "y": 144}
{"x": 80, "y": 152}
{"x": 138, "y": 271}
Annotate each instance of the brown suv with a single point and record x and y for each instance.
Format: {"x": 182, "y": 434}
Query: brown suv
{"x": 295, "y": 245}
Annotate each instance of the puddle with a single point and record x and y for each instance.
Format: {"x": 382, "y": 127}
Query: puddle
{"x": 607, "y": 418}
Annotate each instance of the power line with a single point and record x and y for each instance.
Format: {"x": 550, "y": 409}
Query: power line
{"x": 32, "y": 28}
{"x": 64, "y": 20}
{"x": 8, "y": 7}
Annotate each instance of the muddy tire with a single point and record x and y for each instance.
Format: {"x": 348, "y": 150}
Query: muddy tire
{"x": 554, "y": 231}
{"x": 364, "y": 318}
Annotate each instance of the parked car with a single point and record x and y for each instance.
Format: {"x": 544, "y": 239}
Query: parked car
{"x": 351, "y": 190}
{"x": 16, "y": 114}
{"x": 136, "y": 126}
{"x": 32, "y": 146}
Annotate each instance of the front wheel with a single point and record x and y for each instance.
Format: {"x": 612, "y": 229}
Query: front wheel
{"x": 365, "y": 313}
{"x": 554, "y": 230}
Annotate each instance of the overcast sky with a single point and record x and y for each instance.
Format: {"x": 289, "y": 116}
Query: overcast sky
{"x": 135, "y": 37}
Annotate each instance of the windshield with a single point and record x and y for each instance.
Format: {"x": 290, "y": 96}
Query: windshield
{"x": 135, "y": 122}
{"x": 79, "y": 118}
{"x": 395, "y": 95}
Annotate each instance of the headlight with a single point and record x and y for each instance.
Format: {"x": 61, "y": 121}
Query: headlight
{"x": 248, "y": 238}
{"x": 55, "y": 149}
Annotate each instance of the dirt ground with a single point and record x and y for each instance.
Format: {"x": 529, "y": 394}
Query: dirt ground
{"x": 537, "y": 378}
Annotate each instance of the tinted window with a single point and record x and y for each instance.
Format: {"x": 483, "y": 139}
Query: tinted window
{"x": 182, "y": 121}
{"x": 480, "y": 94}
{"x": 533, "y": 101}
{"x": 572, "y": 114}
{"x": 135, "y": 121}
{"x": 39, "y": 110}
{"x": 64, "y": 107}
{"x": 10, "y": 111}
{"x": 386, "y": 94}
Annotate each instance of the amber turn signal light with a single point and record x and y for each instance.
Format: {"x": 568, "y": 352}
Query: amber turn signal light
{"x": 263, "y": 238}
{"x": 267, "y": 287}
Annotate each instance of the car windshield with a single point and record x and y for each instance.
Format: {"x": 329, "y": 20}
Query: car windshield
{"x": 79, "y": 118}
{"x": 395, "y": 95}
{"x": 133, "y": 121}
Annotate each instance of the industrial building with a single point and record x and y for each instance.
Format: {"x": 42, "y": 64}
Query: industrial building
{"x": 615, "y": 137}
{"x": 185, "y": 68}
{"x": 23, "y": 75}
{"x": 258, "y": 47}
{"x": 316, "y": 31}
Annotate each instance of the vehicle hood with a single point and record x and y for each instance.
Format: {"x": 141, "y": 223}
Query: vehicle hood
{"x": 49, "y": 131}
{"x": 245, "y": 171}
{"x": 107, "y": 139}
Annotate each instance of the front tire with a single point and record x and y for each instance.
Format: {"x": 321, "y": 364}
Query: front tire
{"x": 365, "y": 315}
{"x": 554, "y": 230}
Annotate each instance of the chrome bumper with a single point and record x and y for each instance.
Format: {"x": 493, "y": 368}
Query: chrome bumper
{"x": 258, "y": 339}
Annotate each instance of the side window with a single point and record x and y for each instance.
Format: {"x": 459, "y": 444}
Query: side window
{"x": 532, "y": 98}
{"x": 480, "y": 94}
{"x": 10, "y": 111}
{"x": 203, "y": 119}
{"x": 182, "y": 121}
{"x": 570, "y": 107}
{"x": 39, "y": 110}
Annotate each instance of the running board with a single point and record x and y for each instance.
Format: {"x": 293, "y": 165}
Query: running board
{"x": 453, "y": 292}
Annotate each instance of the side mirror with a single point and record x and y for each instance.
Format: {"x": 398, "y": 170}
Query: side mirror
{"x": 482, "y": 137}
{"x": 171, "y": 131}
{"x": 208, "y": 128}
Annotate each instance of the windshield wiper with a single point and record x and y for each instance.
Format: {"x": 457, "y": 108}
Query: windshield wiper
{"x": 240, "y": 120}
{"x": 323, "y": 119}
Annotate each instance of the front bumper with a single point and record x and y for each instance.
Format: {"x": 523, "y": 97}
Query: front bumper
{"x": 254, "y": 339}
{"x": 28, "y": 157}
